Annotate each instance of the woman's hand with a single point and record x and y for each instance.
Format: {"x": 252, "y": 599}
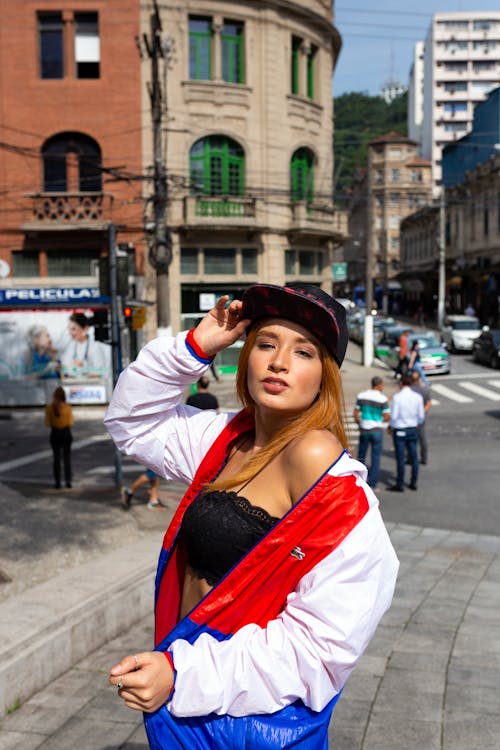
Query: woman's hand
{"x": 220, "y": 327}
{"x": 146, "y": 680}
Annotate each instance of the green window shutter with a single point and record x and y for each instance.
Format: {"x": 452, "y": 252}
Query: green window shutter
{"x": 200, "y": 49}
{"x": 296, "y": 42}
{"x": 302, "y": 176}
{"x": 232, "y": 52}
{"x": 310, "y": 71}
{"x": 217, "y": 167}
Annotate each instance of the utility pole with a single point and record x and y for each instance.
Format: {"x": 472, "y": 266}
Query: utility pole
{"x": 160, "y": 250}
{"x": 442, "y": 259}
{"x": 116, "y": 349}
{"x": 368, "y": 330}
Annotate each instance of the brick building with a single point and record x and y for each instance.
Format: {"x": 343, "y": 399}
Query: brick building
{"x": 71, "y": 147}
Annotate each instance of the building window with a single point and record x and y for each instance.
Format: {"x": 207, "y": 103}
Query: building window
{"x": 454, "y": 86}
{"x": 217, "y": 167}
{"x": 394, "y": 221}
{"x": 395, "y": 198}
{"x": 311, "y": 66}
{"x": 219, "y": 261}
{"x": 395, "y": 175}
{"x": 72, "y": 263}
{"x": 454, "y": 107}
{"x": 295, "y": 63}
{"x": 290, "y": 258}
{"x": 249, "y": 260}
{"x": 51, "y": 45}
{"x": 189, "y": 260}
{"x": 232, "y": 52}
{"x": 26, "y": 263}
{"x": 87, "y": 45}
{"x": 307, "y": 263}
{"x": 71, "y": 163}
{"x": 200, "y": 48}
{"x": 302, "y": 176}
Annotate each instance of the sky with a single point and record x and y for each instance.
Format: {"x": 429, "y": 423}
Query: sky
{"x": 378, "y": 37}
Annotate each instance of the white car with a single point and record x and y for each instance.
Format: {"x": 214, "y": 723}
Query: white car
{"x": 459, "y": 332}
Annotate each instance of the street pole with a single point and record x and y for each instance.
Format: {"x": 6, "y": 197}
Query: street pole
{"x": 368, "y": 329}
{"x": 442, "y": 260}
{"x": 160, "y": 254}
{"x": 116, "y": 350}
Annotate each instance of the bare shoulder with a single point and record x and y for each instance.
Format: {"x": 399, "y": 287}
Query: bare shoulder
{"x": 308, "y": 457}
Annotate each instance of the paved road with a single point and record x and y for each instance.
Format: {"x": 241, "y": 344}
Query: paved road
{"x": 83, "y": 569}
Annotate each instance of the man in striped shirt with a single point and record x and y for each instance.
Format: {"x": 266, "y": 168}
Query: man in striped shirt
{"x": 372, "y": 414}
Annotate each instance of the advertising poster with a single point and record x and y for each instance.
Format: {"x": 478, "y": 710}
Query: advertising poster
{"x": 42, "y": 349}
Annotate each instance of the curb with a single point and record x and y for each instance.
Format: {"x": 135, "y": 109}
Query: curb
{"x": 47, "y": 629}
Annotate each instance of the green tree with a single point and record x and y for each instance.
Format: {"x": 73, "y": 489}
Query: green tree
{"x": 359, "y": 119}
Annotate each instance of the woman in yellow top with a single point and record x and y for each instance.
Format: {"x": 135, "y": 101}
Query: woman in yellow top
{"x": 59, "y": 417}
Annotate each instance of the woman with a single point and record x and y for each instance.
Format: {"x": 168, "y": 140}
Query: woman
{"x": 414, "y": 362}
{"x": 83, "y": 356}
{"x": 41, "y": 358}
{"x": 59, "y": 417}
{"x": 276, "y": 568}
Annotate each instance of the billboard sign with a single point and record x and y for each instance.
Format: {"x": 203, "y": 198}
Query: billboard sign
{"x": 43, "y": 348}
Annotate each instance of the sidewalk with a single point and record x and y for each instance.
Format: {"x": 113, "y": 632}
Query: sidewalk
{"x": 80, "y": 596}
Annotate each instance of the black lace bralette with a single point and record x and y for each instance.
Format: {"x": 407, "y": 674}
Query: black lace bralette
{"x": 218, "y": 528}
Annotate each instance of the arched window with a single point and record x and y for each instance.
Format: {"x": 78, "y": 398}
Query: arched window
{"x": 302, "y": 176}
{"x": 217, "y": 166}
{"x": 71, "y": 163}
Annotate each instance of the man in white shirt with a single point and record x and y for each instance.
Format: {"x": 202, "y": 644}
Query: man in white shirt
{"x": 407, "y": 412}
{"x": 372, "y": 414}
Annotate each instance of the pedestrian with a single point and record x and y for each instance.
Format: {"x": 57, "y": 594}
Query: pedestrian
{"x": 372, "y": 414}
{"x": 277, "y": 567}
{"x": 414, "y": 363}
{"x": 202, "y": 399}
{"x": 59, "y": 417}
{"x": 402, "y": 366}
{"x": 407, "y": 412}
{"x": 469, "y": 310}
{"x": 425, "y": 392}
{"x": 145, "y": 477}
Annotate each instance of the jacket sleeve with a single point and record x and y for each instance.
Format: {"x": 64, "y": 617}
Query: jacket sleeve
{"x": 146, "y": 419}
{"x": 308, "y": 652}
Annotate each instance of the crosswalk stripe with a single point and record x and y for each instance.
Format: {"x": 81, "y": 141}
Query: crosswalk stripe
{"x": 485, "y": 392}
{"x": 495, "y": 383}
{"x": 443, "y": 390}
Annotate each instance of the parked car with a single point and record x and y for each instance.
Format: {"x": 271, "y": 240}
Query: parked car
{"x": 357, "y": 332}
{"x": 459, "y": 332}
{"x": 434, "y": 358}
{"x": 486, "y": 348}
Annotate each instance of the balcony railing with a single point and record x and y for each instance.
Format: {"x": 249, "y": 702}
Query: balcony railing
{"x": 322, "y": 220}
{"x": 211, "y": 209}
{"x": 62, "y": 210}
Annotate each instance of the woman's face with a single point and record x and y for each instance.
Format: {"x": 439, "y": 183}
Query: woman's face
{"x": 43, "y": 340}
{"x": 284, "y": 368}
{"x": 76, "y": 332}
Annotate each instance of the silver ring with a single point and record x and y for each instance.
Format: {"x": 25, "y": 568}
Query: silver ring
{"x": 136, "y": 662}
{"x": 119, "y": 685}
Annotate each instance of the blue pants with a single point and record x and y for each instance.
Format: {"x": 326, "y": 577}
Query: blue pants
{"x": 375, "y": 440}
{"x": 405, "y": 440}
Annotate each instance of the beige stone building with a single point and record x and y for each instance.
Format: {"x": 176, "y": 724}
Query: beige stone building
{"x": 397, "y": 182}
{"x": 472, "y": 241}
{"x": 248, "y": 128}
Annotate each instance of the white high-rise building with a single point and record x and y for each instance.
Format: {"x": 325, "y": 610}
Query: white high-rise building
{"x": 416, "y": 94}
{"x": 461, "y": 66}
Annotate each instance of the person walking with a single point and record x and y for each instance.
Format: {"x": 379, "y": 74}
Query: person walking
{"x": 202, "y": 399}
{"x": 59, "y": 417}
{"x": 424, "y": 390}
{"x": 403, "y": 354}
{"x": 145, "y": 477}
{"x": 372, "y": 414}
{"x": 276, "y": 567}
{"x": 414, "y": 363}
{"x": 407, "y": 412}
